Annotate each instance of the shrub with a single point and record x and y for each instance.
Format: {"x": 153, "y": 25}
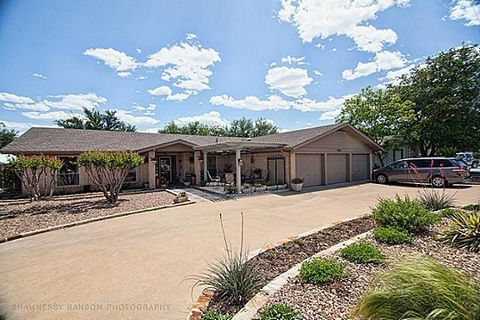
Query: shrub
{"x": 391, "y": 235}
{"x": 203, "y": 183}
{"x": 108, "y": 170}
{"x": 233, "y": 280}
{"x": 279, "y": 311}
{"x": 420, "y": 288}
{"x": 403, "y": 213}
{"x": 321, "y": 270}
{"x": 230, "y": 189}
{"x": 362, "y": 252}
{"x": 448, "y": 212}
{"x": 213, "y": 315}
{"x": 463, "y": 231}
{"x": 435, "y": 200}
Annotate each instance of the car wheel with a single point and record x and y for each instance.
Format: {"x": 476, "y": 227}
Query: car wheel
{"x": 381, "y": 178}
{"x": 439, "y": 182}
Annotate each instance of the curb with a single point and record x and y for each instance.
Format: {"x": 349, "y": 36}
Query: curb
{"x": 78, "y": 223}
{"x": 261, "y": 298}
{"x": 201, "y": 304}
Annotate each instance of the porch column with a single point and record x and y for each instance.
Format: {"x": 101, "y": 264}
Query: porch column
{"x": 238, "y": 170}
{"x": 151, "y": 169}
{"x": 370, "y": 160}
{"x": 205, "y": 175}
{"x": 196, "y": 166}
{"x": 293, "y": 167}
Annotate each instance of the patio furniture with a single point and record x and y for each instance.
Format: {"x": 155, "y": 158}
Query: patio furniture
{"x": 213, "y": 180}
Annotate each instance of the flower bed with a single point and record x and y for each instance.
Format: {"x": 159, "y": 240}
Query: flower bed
{"x": 275, "y": 261}
{"x": 25, "y": 217}
{"x": 337, "y": 299}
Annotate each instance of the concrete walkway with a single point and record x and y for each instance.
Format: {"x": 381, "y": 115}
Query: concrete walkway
{"x": 136, "y": 267}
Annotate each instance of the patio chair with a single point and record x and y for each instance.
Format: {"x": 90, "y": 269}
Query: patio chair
{"x": 229, "y": 179}
{"x": 214, "y": 180}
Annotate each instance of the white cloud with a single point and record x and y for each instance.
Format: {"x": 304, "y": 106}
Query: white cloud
{"x": 318, "y": 72}
{"x": 289, "y": 81}
{"x": 39, "y": 75}
{"x": 160, "y": 91}
{"x": 325, "y": 18}
{"x": 65, "y": 102}
{"x": 384, "y": 60}
{"x": 13, "y": 98}
{"x": 466, "y": 10}
{"x": 191, "y": 36}
{"x": 293, "y": 60}
{"x": 275, "y": 103}
{"x": 210, "y": 118}
{"x": 394, "y": 75}
{"x": 329, "y": 115}
{"x": 18, "y": 126}
{"x": 124, "y": 74}
{"x": 51, "y": 115}
{"x": 186, "y": 65}
{"x": 128, "y": 117}
{"x": 178, "y": 96}
{"x": 138, "y": 50}
{"x": 114, "y": 59}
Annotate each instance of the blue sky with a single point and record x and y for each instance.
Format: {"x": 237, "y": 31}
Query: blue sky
{"x": 293, "y": 62}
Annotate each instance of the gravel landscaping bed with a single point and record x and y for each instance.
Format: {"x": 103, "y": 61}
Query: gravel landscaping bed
{"x": 20, "y": 218}
{"x": 337, "y": 299}
{"x": 274, "y": 262}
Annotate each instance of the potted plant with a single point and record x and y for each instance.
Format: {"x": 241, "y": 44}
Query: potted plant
{"x": 203, "y": 183}
{"x": 259, "y": 187}
{"x": 297, "y": 184}
{"x": 188, "y": 180}
{"x": 282, "y": 186}
{"x": 247, "y": 188}
{"x": 230, "y": 189}
{"x": 181, "y": 197}
{"x": 271, "y": 186}
{"x": 163, "y": 183}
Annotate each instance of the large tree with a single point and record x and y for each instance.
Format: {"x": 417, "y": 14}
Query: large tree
{"x": 6, "y": 135}
{"x": 238, "y": 128}
{"x": 380, "y": 114}
{"x": 96, "y": 120}
{"x": 445, "y": 91}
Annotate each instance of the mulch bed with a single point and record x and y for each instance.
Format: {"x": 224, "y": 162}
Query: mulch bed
{"x": 20, "y": 218}
{"x": 274, "y": 262}
{"x": 337, "y": 299}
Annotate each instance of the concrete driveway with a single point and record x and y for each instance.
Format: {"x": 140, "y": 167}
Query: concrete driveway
{"x": 136, "y": 266}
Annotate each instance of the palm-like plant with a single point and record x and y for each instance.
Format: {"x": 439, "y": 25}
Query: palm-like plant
{"x": 463, "y": 231}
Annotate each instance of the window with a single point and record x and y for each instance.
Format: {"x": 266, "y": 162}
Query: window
{"x": 398, "y": 165}
{"x": 69, "y": 174}
{"x": 131, "y": 175}
{"x": 420, "y": 163}
{"x": 444, "y": 163}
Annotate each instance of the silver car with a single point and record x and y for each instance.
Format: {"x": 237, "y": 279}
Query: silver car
{"x": 437, "y": 171}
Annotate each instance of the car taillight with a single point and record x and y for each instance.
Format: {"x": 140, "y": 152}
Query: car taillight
{"x": 459, "y": 169}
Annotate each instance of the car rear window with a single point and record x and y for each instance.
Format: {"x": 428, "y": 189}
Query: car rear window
{"x": 442, "y": 163}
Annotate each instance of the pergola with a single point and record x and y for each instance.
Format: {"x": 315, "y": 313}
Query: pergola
{"x": 237, "y": 147}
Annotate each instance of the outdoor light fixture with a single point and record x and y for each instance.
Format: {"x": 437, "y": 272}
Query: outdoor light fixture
{"x": 240, "y": 162}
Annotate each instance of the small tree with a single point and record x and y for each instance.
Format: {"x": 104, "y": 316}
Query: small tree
{"x": 35, "y": 171}
{"x": 108, "y": 170}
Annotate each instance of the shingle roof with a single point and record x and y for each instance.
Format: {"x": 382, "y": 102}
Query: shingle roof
{"x": 60, "y": 140}
{"x": 56, "y": 140}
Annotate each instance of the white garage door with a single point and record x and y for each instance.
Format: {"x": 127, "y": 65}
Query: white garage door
{"x": 337, "y": 168}
{"x": 309, "y": 167}
{"x": 360, "y": 167}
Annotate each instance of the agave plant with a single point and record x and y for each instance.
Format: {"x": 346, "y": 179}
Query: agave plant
{"x": 420, "y": 288}
{"x": 463, "y": 230}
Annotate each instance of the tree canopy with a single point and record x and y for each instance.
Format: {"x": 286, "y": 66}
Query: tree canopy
{"x": 6, "y": 135}
{"x": 96, "y": 120}
{"x": 434, "y": 107}
{"x": 238, "y": 128}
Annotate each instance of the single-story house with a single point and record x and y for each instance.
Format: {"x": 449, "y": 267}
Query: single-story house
{"x": 322, "y": 155}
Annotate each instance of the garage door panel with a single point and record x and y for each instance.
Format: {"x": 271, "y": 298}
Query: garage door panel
{"x": 309, "y": 167}
{"x": 337, "y": 168}
{"x": 360, "y": 167}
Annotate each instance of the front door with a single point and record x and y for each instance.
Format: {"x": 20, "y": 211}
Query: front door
{"x": 164, "y": 167}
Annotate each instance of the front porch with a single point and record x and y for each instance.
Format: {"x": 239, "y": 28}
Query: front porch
{"x": 219, "y": 164}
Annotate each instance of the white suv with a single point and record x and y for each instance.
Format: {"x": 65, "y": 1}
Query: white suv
{"x": 468, "y": 158}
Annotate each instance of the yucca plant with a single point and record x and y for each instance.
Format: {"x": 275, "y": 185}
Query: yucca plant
{"x": 436, "y": 200}
{"x": 233, "y": 280}
{"x": 463, "y": 231}
{"x": 418, "y": 287}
